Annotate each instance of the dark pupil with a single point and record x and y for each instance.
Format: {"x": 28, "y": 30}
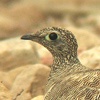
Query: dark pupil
{"x": 53, "y": 36}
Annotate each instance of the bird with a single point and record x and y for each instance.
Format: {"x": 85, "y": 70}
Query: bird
{"x": 68, "y": 78}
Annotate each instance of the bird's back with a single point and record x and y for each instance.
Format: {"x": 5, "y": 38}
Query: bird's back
{"x": 82, "y": 85}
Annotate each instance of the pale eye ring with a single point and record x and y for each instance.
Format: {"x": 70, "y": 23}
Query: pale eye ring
{"x": 52, "y": 36}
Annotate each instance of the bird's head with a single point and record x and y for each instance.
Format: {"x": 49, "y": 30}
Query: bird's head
{"x": 58, "y": 41}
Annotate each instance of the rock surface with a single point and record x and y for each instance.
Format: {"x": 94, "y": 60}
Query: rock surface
{"x": 30, "y": 82}
{"x": 91, "y": 58}
{"x": 5, "y": 79}
{"x": 40, "y": 97}
{"x": 85, "y": 39}
{"x": 4, "y": 93}
{"x": 44, "y": 55}
{"x": 16, "y": 52}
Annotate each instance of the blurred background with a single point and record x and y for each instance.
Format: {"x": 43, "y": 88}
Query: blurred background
{"x": 25, "y": 65}
{"x": 22, "y": 16}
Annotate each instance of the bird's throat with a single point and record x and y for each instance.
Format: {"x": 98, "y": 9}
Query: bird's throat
{"x": 62, "y": 62}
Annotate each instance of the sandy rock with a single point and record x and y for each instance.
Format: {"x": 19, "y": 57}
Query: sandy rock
{"x": 14, "y": 72}
{"x": 10, "y": 76}
{"x": 91, "y": 58}
{"x": 30, "y": 82}
{"x": 6, "y": 24}
{"x": 16, "y": 52}
{"x": 45, "y": 56}
{"x": 5, "y": 2}
{"x": 18, "y": 18}
{"x": 5, "y": 79}
{"x": 85, "y": 39}
{"x": 71, "y": 4}
{"x": 41, "y": 97}
{"x": 4, "y": 93}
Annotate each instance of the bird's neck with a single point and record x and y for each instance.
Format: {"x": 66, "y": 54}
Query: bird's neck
{"x": 63, "y": 67}
{"x": 64, "y": 57}
{"x": 61, "y": 62}
{"x": 65, "y": 63}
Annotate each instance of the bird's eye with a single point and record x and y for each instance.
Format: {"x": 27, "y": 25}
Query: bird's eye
{"x": 52, "y": 36}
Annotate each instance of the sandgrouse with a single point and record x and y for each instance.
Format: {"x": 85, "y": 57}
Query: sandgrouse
{"x": 68, "y": 79}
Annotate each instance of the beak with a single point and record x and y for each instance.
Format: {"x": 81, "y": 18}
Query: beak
{"x": 28, "y": 37}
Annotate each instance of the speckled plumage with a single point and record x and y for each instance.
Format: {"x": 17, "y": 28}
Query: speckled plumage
{"x": 68, "y": 79}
